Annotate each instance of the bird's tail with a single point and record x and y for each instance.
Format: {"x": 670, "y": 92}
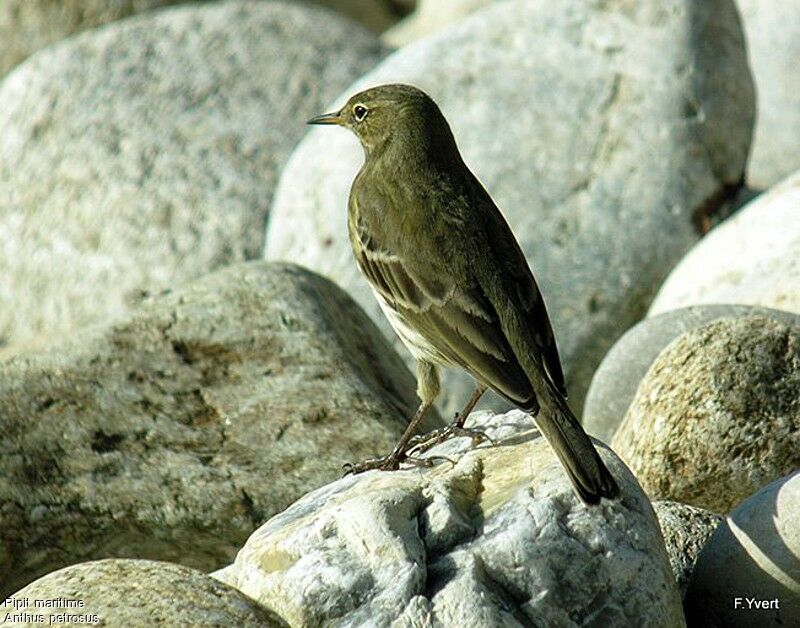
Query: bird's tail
{"x": 588, "y": 473}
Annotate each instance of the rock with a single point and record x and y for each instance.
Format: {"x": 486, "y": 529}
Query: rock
{"x": 617, "y": 378}
{"x": 717, "y": 415}
{"x": 773, "y": 46}
{"x": 607, "y": 129}
{"x": 497, "y": 538}
{"x": 145, "y": 153}
{"x": 752, "y": 258}
{"x": 686, "y": 530}
{"x": 29, "y": 25}
{"x": 377, "y": 15}
{"x": 429, "y": 17}
{"x": 133, "y": 593}
{"x": 754, "y": 556}
{"x": 173, "y": 434}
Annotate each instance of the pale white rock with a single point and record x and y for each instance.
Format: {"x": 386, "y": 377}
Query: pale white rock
{"x": 753, "y": 557}
{"x": 145, "y": 152}
{"x": 773, "y": 46}
{"x": 494, "y": 538}
{"x": 752, "y": 258}
{"x": 598, "y": 128}
{"x": 126, "y": 592}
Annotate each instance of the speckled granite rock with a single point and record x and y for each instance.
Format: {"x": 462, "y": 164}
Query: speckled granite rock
{"x": 618, "y": 377}
{"x": 134, "y": 593}
{"x": 496, "y": 539}
{"x": 174, "y": 433}
{"x": 718, "y": 414}
{"x": 686, "y": 530}
{"x": 146, "y": 152}
{"x": 599, "y": 130}
{"x": 429, "y": 17}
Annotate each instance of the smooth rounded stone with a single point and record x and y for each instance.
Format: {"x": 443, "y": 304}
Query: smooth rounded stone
{"x": 773, "y": 46}
{"x": 753, "y": 557}
{"x": 120, "y": 592}
{"x": 174, "y": 433}
{"x": 598, "y": 131}
{"x": 30, "y": 25}
{"x": 717, "y": 416}
{"x": 430, "y": 16}
{"x": 752, "y": 258}
{"x": 686, "y": 530}
{"x": 145, "y": 152}
{"x": 494, "y": 538}
{"x": 618, "y": 377}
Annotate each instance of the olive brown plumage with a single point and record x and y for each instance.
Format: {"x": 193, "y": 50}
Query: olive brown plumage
{"x": 451, "y": 278}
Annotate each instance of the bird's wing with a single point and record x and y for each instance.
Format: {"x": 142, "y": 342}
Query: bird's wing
{"x": 458, "y": 321}
{"x": 521, "y": 287}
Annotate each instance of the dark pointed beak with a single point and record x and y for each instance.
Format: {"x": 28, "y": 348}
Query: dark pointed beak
{"x": 327, "y": 118}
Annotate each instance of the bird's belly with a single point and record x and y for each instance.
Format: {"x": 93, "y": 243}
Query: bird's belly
{"x": 416, "y": 343}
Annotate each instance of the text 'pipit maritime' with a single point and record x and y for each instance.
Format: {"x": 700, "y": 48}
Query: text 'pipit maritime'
{"x": 451, "y": 278}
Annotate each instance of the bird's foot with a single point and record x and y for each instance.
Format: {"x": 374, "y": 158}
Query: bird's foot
{"x": 390, "y": 462}
{"x": 422, "y": 443}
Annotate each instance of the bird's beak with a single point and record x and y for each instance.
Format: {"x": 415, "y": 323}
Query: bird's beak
{"x": 328, "y": 118}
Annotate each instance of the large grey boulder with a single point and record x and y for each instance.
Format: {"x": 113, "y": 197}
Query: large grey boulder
{"x": 29, "y": 25}
{"x": 752, "y": 258}
{"x": 174, "y": 433}
{"x": 495, "y": 538}
{"x": 748, "y": 573}
{"x": 123, "y": 593}
{"x": 599, "y": 131}
{"x": 773, "y": 46}
{"x": 686, "y": 530}
{"x": 145, "y": 152}
{"x": 717, "y": 416}
{"x": 618, "y": 377}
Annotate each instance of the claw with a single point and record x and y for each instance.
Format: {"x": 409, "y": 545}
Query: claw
{"x": 420, "y": 444}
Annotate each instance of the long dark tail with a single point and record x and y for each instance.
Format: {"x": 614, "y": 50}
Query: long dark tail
{"x": 589, "y": 475}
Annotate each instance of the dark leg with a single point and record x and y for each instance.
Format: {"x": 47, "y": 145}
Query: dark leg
{"x": 428, "y": 390}
{"x": 456, "y": 428}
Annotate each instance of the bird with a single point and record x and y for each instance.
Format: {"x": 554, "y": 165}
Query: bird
{"x": 451, "y": 278}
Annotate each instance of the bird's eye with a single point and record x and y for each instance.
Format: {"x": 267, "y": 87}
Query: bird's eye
{"x": 360, "y": 112}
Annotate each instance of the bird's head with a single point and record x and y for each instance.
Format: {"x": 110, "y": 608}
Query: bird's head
{"x": 386, "y": 113}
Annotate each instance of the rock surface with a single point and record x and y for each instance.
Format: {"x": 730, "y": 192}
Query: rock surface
{"x": 618, "y": 377}
{"x": 773, "y": 46}
{"x": 174, "y": 433}
{"x": 717, "y": 416}
{"x": 145, "y": 153}
{"x": 497, "y": 538}
{"x": 752, "y": 258}
{"x": 134, "y": 593}
{"x": 753, "y": 555}
{"x": 30, "y": 25}
{"x": 686, "y": 530}
{"x": 429, "y": 17}
{"x": 598, "y": 130}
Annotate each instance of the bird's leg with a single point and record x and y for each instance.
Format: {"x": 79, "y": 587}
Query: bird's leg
{"x": 456, "y": 428}
{"x": 427, "y": 389}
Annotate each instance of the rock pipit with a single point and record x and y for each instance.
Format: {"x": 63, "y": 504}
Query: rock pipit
{"x": 451, "y": 278}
